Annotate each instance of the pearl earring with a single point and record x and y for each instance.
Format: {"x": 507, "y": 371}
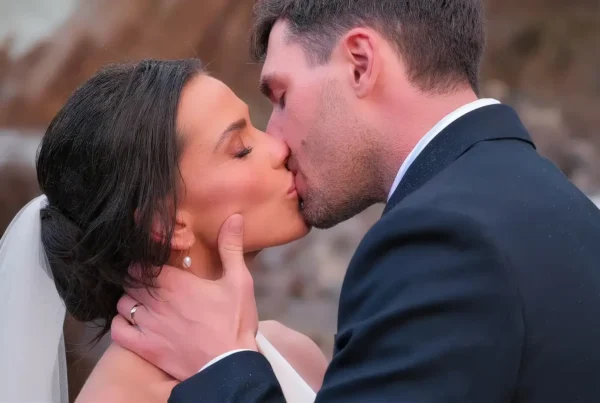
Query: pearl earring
{"x": 187, "y": 261}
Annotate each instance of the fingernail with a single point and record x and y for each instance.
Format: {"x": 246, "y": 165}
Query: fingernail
{"x": 236, "y": 223}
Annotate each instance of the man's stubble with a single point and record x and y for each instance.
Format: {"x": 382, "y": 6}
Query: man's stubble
{"x": 341, "y": 170}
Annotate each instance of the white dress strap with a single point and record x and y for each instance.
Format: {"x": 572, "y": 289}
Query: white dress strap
{"x": 295, "y": 389}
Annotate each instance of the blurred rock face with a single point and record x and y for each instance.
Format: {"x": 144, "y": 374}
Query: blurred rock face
{"x": 544, "y": 54}
{"x": 35, "y": 84}
{"x": 542, "y": 59}
{"x": 25, "y": 23}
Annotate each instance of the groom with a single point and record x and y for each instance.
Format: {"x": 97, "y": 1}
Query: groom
{"x": 481, "y": 281}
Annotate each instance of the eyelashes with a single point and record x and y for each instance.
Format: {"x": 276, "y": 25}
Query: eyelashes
{"x": 243, "y": 153}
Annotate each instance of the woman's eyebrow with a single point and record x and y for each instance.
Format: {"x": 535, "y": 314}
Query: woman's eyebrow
{"x": 239, "y": 124}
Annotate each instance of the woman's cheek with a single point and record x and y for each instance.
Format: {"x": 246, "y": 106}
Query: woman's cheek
{"x": 239, "y": 192}
{"x": 250, "y": 188}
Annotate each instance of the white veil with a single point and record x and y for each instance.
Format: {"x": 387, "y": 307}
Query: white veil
{"x": 32, "y": 351}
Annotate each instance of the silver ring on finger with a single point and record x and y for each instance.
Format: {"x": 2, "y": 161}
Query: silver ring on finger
{"x": 132, "y": 313}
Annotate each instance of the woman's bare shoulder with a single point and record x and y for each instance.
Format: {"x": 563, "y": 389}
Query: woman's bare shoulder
{"x": 122, "y": 376}
{"x": 299, "y": 350}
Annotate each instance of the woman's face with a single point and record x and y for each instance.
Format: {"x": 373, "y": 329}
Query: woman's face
{"x": 229, "y": 167}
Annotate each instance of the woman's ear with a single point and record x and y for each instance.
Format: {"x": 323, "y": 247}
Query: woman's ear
{"x": 183, "y": 234}
{"x": 360, "y": 48}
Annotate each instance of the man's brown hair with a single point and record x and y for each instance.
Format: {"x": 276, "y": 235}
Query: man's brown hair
{"x": 441, "y": 41}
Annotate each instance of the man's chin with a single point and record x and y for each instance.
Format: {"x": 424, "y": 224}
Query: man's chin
{"x": 328, "y": 217}
{"x": 314, "y": 221}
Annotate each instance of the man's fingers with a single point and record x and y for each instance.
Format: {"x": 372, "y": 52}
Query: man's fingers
{"x": 169, "y": 279}
{"x": 172, "y": 278}
{"x": 126, "y": 304}
{"x": 147, "y": 296}
{"x": 125, "y": 335}
{"x": 135, "y": 271}
{"x": 231, "y": 246}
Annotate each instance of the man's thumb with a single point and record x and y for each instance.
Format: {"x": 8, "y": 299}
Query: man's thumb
{"x": 231, "y": 244}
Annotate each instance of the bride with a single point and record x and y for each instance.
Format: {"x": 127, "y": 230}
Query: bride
{"x": 141, "y": 166}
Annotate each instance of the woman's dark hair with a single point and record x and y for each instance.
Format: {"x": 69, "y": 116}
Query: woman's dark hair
{"x": 108, "y": 165}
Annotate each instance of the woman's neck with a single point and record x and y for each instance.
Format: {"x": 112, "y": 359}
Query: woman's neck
{"x": 206, "y": 262}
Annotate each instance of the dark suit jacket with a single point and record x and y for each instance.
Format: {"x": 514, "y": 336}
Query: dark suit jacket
{"x": 480, "y": 283}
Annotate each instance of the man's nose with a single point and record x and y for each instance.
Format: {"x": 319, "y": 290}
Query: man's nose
{"x": 280, "y": 152}
{"x": 280, "y": 149}
{"x": 270, "y": 129}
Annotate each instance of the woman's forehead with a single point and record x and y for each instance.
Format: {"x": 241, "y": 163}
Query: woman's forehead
{"x": 207, "y": 106}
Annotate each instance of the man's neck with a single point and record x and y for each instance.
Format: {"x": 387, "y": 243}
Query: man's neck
{"x": 418, "y": 116}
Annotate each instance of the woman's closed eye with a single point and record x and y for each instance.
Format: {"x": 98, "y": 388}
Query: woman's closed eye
{"x": 239, "y": 149}
{"x": 243, "y": 152}
{"x": 232, "y": 138}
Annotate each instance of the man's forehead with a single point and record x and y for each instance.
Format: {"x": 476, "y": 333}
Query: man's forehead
{"x": 278, "y": 37}
{"x": 276, "y": 48}
{"x": 282, "y": 54}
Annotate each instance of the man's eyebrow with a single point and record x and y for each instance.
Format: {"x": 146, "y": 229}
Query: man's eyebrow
{"x": 239, "y": 124}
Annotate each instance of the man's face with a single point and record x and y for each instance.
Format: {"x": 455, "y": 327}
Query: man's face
{"x": 317, "y": 114}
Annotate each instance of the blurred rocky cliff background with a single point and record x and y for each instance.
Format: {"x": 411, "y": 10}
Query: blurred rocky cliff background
{"x": 543, "y": 58}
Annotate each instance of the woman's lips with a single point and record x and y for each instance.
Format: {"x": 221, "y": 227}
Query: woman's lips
{"x": 292, "y": 192}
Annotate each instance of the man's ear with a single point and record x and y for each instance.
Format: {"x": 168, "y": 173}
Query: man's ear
{"x": 361, "y": 49}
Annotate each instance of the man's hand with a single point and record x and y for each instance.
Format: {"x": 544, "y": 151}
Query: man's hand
{"x": 188, "y": 321}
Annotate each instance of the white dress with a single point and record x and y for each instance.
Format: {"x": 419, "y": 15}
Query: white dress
{"x": 295, "y": 389}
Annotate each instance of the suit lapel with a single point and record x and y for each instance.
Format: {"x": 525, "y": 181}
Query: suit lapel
{"x": 487, "y": 123}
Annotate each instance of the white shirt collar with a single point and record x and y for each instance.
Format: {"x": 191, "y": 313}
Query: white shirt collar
{"x": 435, "y": 130}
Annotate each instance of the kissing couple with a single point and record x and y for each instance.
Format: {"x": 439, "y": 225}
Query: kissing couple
{"x": 480, "y": 282}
